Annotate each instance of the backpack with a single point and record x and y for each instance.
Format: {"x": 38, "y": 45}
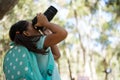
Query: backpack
{"x": 21, "y": 64}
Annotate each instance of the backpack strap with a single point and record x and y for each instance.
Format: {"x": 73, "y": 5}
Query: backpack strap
{"x": 50, "y": 62}
{"x": 50, "y": 66}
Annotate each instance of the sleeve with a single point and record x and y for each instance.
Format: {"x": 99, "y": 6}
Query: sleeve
{"x": 40, "y": 43}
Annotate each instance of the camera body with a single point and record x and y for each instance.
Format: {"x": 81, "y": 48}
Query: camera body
{"x": 49, "y": 13}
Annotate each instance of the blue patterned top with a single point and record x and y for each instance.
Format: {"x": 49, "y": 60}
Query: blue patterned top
{"x": 21, "y": 64}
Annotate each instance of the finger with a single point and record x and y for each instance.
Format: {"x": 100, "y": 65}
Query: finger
{"x": 39, "y": 14}
{"x": 36, "y": 25}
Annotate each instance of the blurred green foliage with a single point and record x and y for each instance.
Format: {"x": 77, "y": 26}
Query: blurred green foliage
{"x": 93, "y": 41}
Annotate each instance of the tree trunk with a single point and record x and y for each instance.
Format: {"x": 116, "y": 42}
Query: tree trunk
{"x": 6, "y": 5}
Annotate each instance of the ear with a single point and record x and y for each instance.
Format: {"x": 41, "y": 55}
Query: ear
{"x": 25, "y": 33}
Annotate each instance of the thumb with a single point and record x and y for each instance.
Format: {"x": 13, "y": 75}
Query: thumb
{"x": 36, "y": 25}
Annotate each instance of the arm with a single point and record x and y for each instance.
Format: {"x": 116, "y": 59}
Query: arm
{"x": 54, "y": 48}
{"x": 56, "y": 52}
{"x": 58, "y": 33}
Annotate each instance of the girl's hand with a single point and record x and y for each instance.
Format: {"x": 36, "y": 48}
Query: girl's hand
{"x": 41, "y": 20}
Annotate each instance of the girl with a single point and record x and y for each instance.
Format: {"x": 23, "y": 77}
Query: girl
{"x": 32, "y": 54}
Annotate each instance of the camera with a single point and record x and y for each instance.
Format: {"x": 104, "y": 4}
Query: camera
{"x": 49, "y": 13}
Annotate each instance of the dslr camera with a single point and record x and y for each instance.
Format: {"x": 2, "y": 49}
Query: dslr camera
{"x": 49, "y": 13}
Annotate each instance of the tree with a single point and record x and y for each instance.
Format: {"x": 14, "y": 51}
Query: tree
{"x": 83, "y": 19}
{"x": 6, "y": 5}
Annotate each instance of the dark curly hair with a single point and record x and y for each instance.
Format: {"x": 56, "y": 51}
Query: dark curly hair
{"x": 16, "y": 35}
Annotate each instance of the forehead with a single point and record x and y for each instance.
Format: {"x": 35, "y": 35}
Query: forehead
{"x": 30, "y": 24}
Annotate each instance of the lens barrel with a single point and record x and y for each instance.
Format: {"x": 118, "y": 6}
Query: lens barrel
{"x": 49, "y": 13}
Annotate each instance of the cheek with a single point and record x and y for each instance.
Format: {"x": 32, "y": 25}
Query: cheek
{"x": 34, "y": 32}
{"x": 31, "y": 31}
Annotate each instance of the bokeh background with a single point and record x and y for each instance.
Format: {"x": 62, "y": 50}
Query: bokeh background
{"x": 92, "y": 49}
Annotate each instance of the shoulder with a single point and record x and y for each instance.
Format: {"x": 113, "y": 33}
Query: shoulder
{"x": 16, "y": 55}
{"x": 17, "y": 51}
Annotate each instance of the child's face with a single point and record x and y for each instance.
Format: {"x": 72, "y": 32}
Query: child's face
{"x": 31, "y": 31}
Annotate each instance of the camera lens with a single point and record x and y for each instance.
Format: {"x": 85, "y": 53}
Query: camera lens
{"x": 49, "y": 13}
